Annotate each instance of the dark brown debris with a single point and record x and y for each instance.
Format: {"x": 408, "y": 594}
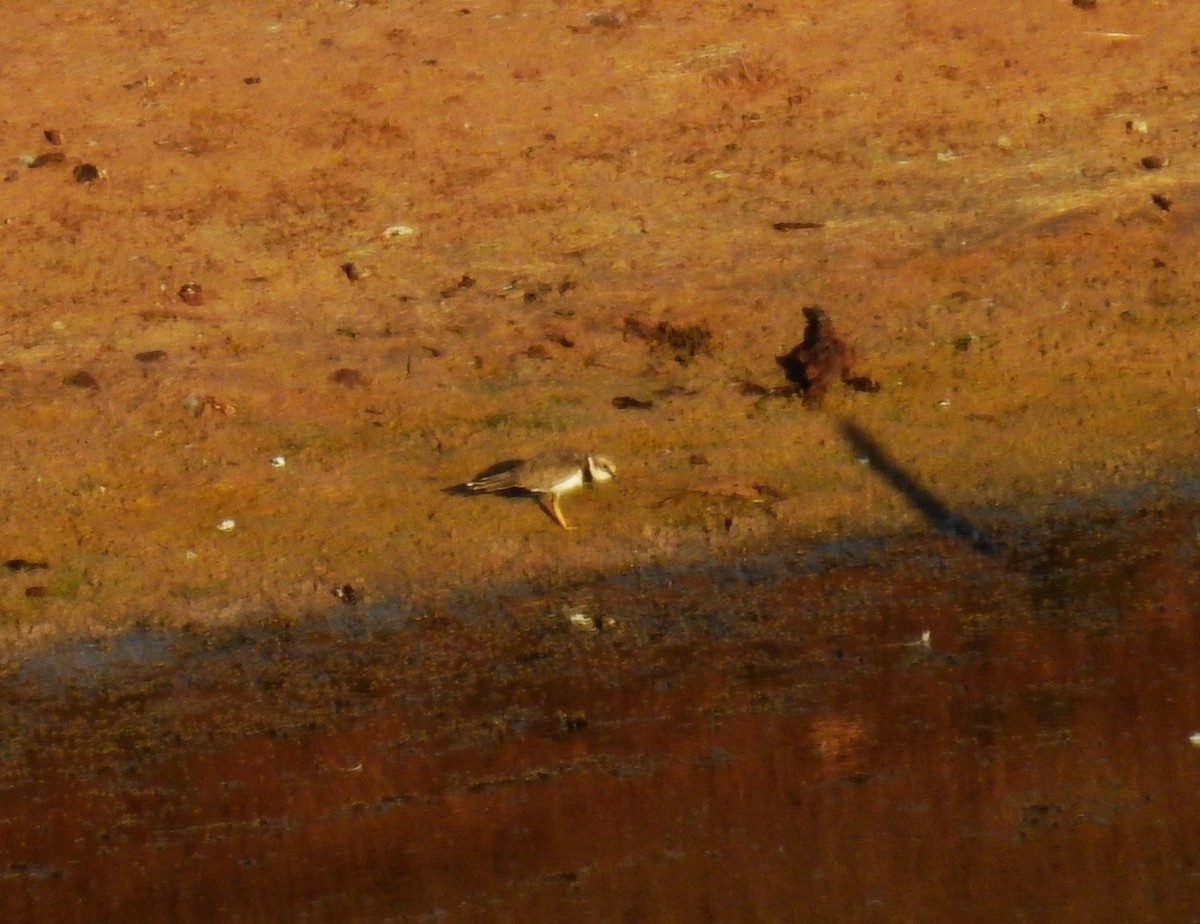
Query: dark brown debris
{"x": 684, "y": 342}
{"x": 675, "y": 391}
{"x": 50, "y": 157}
{"x": 863, "y": 383}
{"x": 36, "y": 590}
{"x": 756, "y": 390}
{"x": 1163, "y": 202}
{"x": 82, "y": 379}
{"x": 627, "y": 403}
{"x": 798, "y": 225}
{"x": 53, "y": 135}
{"x": 1153, "y": 162}
{"x": 151, "y": 356}
{"x": 352, "y": 272}
{"x": 347, "y": 594}
{"x": 822, "y": 359}
{"x": 86, "y": 173}
{"x": 24, "y": 564}
{"x": 466, "y": 282}
{"x": 1084, "y": 4}
{"x": 349, "y": 378}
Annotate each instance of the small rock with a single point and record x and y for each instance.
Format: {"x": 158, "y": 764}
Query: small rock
{"x": 191, "y": 294}
{"x": 195, "y": 405}
{"x": 227, "y": 525}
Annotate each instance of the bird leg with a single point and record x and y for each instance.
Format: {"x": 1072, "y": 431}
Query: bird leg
{"x": 556, "y": 512}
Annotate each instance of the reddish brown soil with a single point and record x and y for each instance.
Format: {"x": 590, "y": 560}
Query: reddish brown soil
{"x": 998, "y": 205}
{"x": 983, "y": 229}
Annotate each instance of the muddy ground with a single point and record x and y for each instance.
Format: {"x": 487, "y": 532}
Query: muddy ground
{"x": 300, "y": 270}
{"x": 881, "y": 731}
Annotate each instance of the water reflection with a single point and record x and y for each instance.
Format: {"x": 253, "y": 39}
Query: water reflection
{"x": 782, "y": 749}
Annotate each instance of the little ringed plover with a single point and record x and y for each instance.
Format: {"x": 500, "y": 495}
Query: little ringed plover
{"x": 551, "y": 473}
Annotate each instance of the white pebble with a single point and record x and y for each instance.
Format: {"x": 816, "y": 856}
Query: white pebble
{"x": 228, "y": 525}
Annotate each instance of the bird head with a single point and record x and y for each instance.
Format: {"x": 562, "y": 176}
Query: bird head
{"x": 600, "y": 468}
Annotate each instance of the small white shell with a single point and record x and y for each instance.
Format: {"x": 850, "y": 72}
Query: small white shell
{"x": 278, "y": 462}
{"x": 399, "y": 231}
{"x": 1194, "y": 737}
{"x": 227, "y": 525}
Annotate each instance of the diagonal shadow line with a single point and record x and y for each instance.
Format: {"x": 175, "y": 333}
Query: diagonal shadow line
{"x": 936, "y": 513}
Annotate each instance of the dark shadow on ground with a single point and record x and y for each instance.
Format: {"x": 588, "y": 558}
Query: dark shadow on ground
{"x": 928, "y": 504}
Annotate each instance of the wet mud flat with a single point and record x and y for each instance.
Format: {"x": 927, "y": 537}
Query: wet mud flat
{"x": 879, "y": 730}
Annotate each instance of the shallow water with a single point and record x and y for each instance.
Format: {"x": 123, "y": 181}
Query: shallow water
{"x": 769, "y": 743}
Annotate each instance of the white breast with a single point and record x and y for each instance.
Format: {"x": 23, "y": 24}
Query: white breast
{"x": 568, "y": 482}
